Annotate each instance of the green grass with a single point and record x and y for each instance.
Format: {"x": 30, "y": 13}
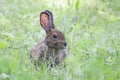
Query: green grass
{"x": 92, "y": 29}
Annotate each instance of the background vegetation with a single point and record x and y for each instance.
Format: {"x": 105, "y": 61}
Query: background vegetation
{"x": 92, "y": 29}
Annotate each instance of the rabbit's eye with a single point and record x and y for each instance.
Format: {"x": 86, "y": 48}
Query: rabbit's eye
{"x": 54, "y": 36}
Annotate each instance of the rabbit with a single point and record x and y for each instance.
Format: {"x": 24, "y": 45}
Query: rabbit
{"x": 53, "y": 46}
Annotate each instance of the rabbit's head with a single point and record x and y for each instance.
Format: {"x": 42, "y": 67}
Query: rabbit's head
{"x": 54, "y": 38}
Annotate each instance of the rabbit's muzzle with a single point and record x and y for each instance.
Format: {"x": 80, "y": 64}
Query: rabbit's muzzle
{"x": 62, "y": 45}
{"x": 57, "y": 44}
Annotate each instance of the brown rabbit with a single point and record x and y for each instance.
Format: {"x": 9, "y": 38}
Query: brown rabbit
{"x": 53, "y": 46}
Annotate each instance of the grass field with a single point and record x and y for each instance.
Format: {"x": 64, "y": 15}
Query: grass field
{"x": 92, "y": 30}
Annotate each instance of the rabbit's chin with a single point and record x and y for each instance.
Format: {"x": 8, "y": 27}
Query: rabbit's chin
{"x": 61, "y": 46}
{"x": 58, "y": 47}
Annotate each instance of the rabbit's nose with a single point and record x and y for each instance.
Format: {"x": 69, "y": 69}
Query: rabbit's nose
{"x": 65, "y": 44}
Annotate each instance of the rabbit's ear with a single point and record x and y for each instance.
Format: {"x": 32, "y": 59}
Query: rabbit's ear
{"x": 51, "y": 22}
{"x": 46, "y": 20}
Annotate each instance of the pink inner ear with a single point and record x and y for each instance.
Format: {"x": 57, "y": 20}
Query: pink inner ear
{"x": 44, "y": 20}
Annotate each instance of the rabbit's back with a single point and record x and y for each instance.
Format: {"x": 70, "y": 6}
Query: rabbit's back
{"x": 38, "y": 50}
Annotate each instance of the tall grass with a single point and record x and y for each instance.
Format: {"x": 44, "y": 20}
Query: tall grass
{"x": 92, "y": 29}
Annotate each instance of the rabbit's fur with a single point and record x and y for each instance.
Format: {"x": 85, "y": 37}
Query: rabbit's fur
{"x": 54, "y": 44}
